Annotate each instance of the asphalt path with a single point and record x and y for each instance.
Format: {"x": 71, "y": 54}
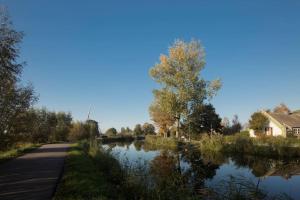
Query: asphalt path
{"x": 33, "y": 176}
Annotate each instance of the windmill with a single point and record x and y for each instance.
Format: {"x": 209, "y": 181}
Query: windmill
{"x": 88, "y": 117}
{"x": 90, "y": 121}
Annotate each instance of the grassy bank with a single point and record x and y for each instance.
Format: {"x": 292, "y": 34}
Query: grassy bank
{"x": 241, "y": 143}
{"x": 87, "y": 175}
{"x": 161, "y": 142}
{"x": 17, "y": 151}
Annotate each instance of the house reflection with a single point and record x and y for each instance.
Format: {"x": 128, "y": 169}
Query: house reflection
{"x": 264, "y": 167}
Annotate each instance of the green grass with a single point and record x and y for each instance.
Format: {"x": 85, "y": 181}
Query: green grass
{"x": 209, "y": 143}
{"x": 17, "y": 151}
{"x": 89, "y": 174}
{"x": 241, "y": 143}
{"x": 161, "y": 142}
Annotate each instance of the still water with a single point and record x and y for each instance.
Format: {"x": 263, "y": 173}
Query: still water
{"x": 274, "y": 176}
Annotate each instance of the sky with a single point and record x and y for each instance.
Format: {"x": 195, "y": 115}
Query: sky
{"x": 97, "y": 54}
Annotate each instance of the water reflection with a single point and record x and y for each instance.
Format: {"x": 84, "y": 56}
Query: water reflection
{"x": 264, "y": 167}
{"x": 189, "y": 170}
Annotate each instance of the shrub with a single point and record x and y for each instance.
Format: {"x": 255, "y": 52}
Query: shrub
{"x": 258, "y": 121}
{"x": 161, "y": 141}
{"x": 211, "y": 142}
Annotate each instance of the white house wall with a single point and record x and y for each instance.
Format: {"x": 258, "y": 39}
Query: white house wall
{"x": 276, "y": 129}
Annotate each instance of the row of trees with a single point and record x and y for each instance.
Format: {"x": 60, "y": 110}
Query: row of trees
{"x": 41, "y": 125}
{"x": 145, "y": 129}
{"x": 83, "y": 130}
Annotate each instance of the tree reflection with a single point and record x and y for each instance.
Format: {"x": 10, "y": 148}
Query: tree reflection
{"x": 199, "y": 170}
{"x": 169, "y": 182}
{"x": 170, "y": 178}
{"x": 138, "y": 144}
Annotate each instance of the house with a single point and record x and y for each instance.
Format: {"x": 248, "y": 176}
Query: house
{"x": 281, "y": 124}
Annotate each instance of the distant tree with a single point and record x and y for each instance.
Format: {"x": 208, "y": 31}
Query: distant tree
{"x": 148, "y": 129}
{"x": 138, "y": 130}
{"x": 129, "y": 131}
{"x": 226, "y": 126}
{"x": 236, "y": 125}
{"x": 111, "y": 132}
{"x": 203, "y": 119}
{"x": 179, "y": 75}
{"x": 78, "y": 132}
{"x": 282, "y": 109}
{"x": 258, "y": 121}
{"x": 63, "y": 126}
{"x": 231, "y": 128}
{"x": 123, "y": 131}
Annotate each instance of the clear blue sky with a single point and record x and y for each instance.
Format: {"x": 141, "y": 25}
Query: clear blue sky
{"x": 98, "y": 53}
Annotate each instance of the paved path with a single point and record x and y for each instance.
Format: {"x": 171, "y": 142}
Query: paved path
{"x": 33, "y": 176}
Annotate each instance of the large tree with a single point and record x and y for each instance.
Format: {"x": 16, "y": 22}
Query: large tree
{"x": 15, "y": 99}
{"x": 138, "y": 130}
{"x": 236, "y": 124}
{"x": 179, "y": 75}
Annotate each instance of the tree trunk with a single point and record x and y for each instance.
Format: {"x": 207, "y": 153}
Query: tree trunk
{"x": 178, "y": 127}
{"x": 165, "y": 134}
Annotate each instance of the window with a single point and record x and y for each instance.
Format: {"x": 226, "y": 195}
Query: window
{"x": 296, "y": 131}
{"x": 269, "y": 131}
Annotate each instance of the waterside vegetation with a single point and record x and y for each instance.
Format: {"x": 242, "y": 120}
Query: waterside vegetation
{"x": 16, "y": 151}
{"x": 239, "y": 143}
{"x": 91, "y": 172}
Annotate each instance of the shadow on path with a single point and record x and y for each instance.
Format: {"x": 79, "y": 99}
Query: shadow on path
{"x": 33, "y": 176}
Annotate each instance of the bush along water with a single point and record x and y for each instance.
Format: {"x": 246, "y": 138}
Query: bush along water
{"x": 241, "y": 143}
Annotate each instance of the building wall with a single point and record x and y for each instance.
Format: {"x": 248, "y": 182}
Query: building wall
{"x": 252, "y": 133}
{"x": 276, "y": 129}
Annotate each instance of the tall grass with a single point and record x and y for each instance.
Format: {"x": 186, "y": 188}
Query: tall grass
{"x": 161, "y": 142}
{"x": 17, "y": 150}
{"x": 241, "y": 143}
{"x": 210, "y": 143}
